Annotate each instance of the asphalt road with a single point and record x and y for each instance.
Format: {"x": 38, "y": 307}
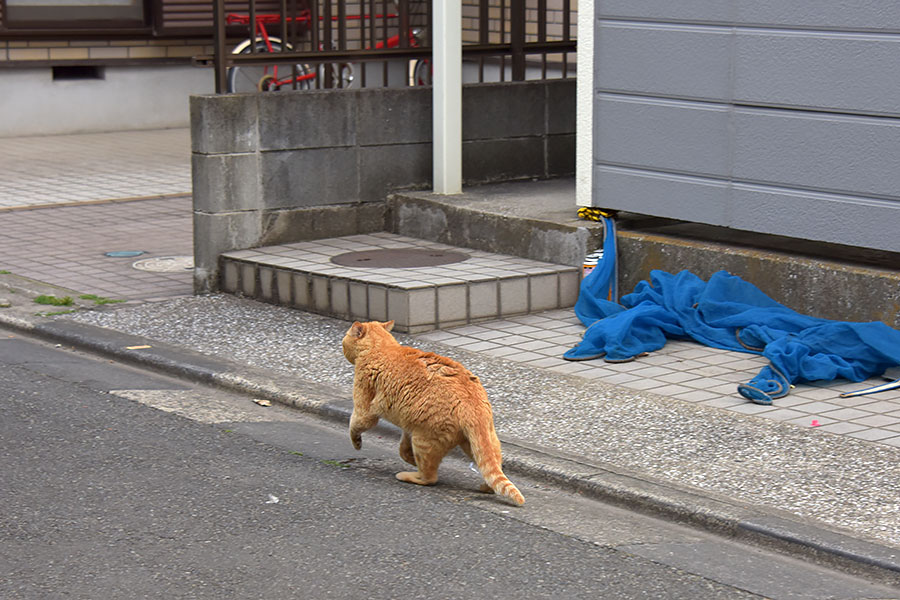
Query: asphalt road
{"x": 118, "y": 483}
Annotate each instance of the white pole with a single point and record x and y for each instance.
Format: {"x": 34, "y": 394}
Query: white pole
{"x": 584, "y": 107}
{"x": 447, "y": 96}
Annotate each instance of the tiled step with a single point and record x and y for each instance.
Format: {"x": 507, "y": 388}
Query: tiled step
{"x": 481, "y": 287}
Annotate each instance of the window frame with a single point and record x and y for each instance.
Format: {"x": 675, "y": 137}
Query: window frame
{"x": 113, "y": 27}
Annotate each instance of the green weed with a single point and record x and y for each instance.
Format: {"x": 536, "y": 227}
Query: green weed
{"x": 54, "y": 301}
{"x": 99, "y": 300}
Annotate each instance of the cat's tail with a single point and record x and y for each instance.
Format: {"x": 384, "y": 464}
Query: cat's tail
{"x": 486, "y": 454}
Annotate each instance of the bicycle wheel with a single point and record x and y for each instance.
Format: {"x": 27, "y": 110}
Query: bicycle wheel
{"x": 422, "y": 72}
{"x": 267, "y": 78}
{"x": 347, "y": 75}
{"x": 342, "y": 75}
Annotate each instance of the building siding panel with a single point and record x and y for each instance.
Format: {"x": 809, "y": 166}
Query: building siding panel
{"x": 758, "y": 116}
{"x": 817, "y": 151}
{"x": 665, "y": 135}
{"x": 839, "y": 15}
{"x": 677, "y": 62}
{"x": 856, "y": 73}
{"x": 847, "y": 220}
{"x": 666, "y": 195}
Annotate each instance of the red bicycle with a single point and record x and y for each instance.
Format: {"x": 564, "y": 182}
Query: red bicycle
{"x": 270, "y": 78}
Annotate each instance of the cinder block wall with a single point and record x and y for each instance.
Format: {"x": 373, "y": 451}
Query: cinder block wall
{"x": 280, "y": 168}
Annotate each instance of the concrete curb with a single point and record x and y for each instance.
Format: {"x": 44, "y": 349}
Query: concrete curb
{"x": 605, "y": 482}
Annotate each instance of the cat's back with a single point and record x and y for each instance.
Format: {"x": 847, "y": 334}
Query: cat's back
{"x": 441, "y": 367}
{"x": 417, "y": 368}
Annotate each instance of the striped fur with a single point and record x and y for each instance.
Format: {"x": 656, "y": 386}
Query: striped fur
{"x": 436, "y": 401}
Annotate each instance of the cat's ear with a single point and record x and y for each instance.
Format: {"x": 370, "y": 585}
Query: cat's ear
{"x": 357, "y": 330}
{"x": 388, "y": 325}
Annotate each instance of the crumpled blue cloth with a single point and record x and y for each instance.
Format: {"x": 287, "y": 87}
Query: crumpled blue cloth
{"x": 729, "y": 313}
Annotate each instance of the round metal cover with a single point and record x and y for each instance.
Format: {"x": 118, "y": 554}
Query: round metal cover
{"x": 165, "y": 264}
{"x": 399, "y": 258}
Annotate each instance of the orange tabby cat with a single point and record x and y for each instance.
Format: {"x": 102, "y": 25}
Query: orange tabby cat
{"x": 436, "y": 401}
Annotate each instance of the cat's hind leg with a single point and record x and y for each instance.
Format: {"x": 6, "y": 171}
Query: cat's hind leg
{"x": 406, "y": 451}
{"x": 467, "y": 449}
{"x": 428, "y": 454}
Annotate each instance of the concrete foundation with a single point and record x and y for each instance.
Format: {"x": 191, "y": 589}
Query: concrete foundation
{"x": 122, "y": 98}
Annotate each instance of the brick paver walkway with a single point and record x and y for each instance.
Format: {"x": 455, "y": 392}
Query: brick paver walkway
{"x": 62, "y": 169}
{"x": 62, "y": 207}
{"x": 67, "y": 246}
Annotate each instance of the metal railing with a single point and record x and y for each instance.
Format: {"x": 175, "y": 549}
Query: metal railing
{"x": 318, "y": 42}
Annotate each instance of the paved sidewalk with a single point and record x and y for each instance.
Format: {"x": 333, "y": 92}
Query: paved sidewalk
{"x": 674, "y": 415}
{"x": 68, "y": 246}
{"x": 91, "y": 167}
{"x": 65, "y": 201}
{"x": 687, "y": 372}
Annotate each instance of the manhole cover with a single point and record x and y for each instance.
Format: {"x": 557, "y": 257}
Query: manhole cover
{"x": 165, "y": 264}
{"x": 399, "y": 258}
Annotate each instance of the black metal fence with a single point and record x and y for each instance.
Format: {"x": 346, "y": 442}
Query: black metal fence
{"x": 270, "y": 45}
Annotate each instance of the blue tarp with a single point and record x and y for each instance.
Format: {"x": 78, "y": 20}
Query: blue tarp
{"x": 729, "y": 313}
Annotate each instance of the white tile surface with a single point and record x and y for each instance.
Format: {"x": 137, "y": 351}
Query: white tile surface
{"x": 687, "y": 372}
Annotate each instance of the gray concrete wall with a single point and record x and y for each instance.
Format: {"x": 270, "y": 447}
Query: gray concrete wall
{"x": 279, "y": 168}
{"x": 767, "y": 116}
{"x": 135, "y": 97}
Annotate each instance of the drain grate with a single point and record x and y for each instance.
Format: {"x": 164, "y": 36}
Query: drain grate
{"x": 399, "y": 258}
{"x": 165, "y": 264}
{"x": 124, "y": 253}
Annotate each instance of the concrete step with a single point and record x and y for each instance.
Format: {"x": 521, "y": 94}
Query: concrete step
{"x": 537, "y": 219}
{"x": 322, "y": 276}
{"x": 533, "y": 219}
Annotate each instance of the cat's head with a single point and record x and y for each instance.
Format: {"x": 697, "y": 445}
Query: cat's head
{"x": 363, "y": 336}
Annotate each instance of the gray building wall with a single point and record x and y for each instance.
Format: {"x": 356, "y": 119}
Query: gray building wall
{"x": 769, "y": 116}
{"x": 126, "y": 97}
